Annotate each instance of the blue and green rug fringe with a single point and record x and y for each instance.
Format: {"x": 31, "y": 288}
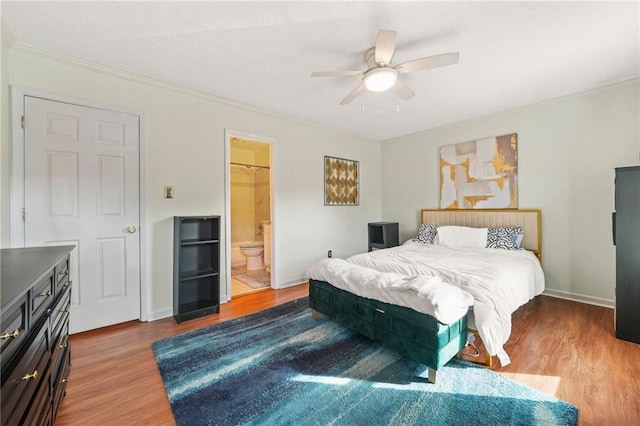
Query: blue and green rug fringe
{"x": 282, "y": 367}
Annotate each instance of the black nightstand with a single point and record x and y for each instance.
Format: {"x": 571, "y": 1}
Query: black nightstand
{"x": 383, "y": 235}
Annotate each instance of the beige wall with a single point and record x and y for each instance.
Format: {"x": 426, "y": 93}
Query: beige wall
{"x": 184, "y": 147}
{"x": 567, "y": 151}
{"x": 4, "y": 139}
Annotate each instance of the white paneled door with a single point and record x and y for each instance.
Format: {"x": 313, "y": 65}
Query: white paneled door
{"x": 82, "y": 188}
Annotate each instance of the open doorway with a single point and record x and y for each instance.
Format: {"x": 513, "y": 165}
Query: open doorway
{"x": 249, "y": 212}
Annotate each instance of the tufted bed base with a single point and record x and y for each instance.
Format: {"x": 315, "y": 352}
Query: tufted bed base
{"x": 410, "y": 333}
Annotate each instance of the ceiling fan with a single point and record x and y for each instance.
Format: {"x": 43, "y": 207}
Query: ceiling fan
{"x": 380, "y": 75}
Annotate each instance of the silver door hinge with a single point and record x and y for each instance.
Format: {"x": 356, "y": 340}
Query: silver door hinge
{"x": 22, "y": 121}
{"x": 23, "y": 215}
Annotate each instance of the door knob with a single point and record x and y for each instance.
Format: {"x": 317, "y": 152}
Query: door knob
{"x": 131, "y": 229}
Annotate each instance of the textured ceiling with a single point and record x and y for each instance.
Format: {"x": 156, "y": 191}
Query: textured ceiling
{"x": 262, "y": 53}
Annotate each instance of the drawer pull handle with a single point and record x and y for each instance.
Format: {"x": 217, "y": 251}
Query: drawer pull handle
{"x": 31, "y": 376}
{"x": 380, "y": 310}
{"x": 46, "y": 293}
{"x": 65, "y": 380}
{"x": 62, "y": 346}
{"x": 65, "y": 310}
{"x": 65, "y": 272}
{"x": 13, "y": 335}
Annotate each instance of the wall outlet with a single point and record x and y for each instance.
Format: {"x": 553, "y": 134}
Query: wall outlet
{"x": 329, "y": 253}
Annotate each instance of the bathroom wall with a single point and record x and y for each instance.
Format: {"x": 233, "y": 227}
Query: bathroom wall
{"x": 261, "y": 185}
{"x": 262, "y": 157}
{"x": 250, "y": 190}
{"x": 242, "y": 197}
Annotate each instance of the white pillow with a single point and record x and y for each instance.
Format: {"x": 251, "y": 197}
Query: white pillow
{"x": 462, "y": 236}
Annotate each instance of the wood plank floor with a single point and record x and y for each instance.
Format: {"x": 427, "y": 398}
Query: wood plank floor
{"x": 561, "y": 347}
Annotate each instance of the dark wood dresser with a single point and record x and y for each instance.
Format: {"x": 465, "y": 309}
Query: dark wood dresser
{"x": 35, "y": 293}
{"x": 627, "y": 242}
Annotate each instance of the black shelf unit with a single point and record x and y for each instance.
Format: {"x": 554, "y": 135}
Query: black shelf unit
{"x": 383, "y": 235}
{"x": 627, "y": 241}
{"x": 196, "y": 266}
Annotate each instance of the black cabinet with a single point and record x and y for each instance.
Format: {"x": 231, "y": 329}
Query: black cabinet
{"x": 34, "y": 333}
{"x": 627, "y": 241}
{"x": 383, "y": 235}
{"x": 196, "y": 266}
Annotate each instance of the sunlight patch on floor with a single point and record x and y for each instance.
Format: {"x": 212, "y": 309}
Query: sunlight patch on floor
{"x": 326, "y": 380}
{"x": 423, "y": 386}
{"x": 546, "y": 384}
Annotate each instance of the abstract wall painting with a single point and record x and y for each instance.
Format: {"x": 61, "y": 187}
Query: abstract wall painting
{"x": 341, "y": 181}
{"x": 480, "y": 174}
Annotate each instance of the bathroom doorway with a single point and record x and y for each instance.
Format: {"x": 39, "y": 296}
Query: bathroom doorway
{"x": 250, "y": 202}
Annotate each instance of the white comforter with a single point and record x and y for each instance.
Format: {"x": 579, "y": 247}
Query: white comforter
{"x": 499, "y": 281}
{"x": 429, "y": 295}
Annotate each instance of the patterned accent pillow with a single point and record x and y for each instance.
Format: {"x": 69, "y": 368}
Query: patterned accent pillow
{"x": 427, "y": 233}
{"x": 504, "y": 237}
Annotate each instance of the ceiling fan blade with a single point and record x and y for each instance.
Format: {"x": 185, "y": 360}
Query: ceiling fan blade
{"x": 336, "y": 73}
{"x": 354, "y": 94}
{"x": 385, "y": 46}
{"x": 402, "y": 90}
{"x": 429, "y": 62}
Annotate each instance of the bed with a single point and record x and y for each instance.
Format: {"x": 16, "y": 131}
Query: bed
{"x": 421, "y": 299}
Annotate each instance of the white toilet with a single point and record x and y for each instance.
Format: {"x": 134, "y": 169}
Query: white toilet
{"x": 253, "y": 251}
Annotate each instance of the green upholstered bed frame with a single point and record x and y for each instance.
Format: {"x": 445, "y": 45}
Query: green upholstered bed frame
{"x": 414, "y": 334}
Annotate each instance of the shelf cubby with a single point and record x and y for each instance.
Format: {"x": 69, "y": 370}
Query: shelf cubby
{"x": 383, "y": 235}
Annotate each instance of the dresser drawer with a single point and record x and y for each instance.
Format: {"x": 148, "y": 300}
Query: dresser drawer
{"x": 60, "y": 344}
{"x": 60, "y": 311}
{"x": 31, "y": 375}
{"x": 61, "y": 275}
{"x": 13, "y": 330}
{"x": 60, "y": 380}
{"x": 40, "y": 298}
{"x": 40, "y": 410}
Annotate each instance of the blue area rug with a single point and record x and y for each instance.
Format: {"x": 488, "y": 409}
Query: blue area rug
{"x": 282, "y": 367}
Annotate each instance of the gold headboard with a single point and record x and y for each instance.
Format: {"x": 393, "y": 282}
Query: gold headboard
{"x": 530, "y": 220}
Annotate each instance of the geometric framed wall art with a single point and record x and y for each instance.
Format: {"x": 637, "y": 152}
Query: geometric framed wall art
{"x": 480, "y": 174}
{"x": 341, "y": 182}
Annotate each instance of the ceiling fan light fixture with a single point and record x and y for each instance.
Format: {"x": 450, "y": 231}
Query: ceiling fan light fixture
{"x": 381, "y": 75}
{"x": 380, "y": 79}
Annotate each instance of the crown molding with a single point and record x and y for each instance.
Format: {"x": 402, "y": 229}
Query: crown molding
{"x": 140, "y": 78}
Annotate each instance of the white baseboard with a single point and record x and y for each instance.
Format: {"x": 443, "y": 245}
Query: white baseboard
{"x": 163, "y": 313}
{"x": 560, "y": 294}
{"x": 598, "y": 301}
{"x": 168, "y": 312}
{"x": 292, "y": 283}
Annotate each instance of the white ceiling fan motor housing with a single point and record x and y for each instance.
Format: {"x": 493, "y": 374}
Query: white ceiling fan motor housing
{"x": 380, "y": 79}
